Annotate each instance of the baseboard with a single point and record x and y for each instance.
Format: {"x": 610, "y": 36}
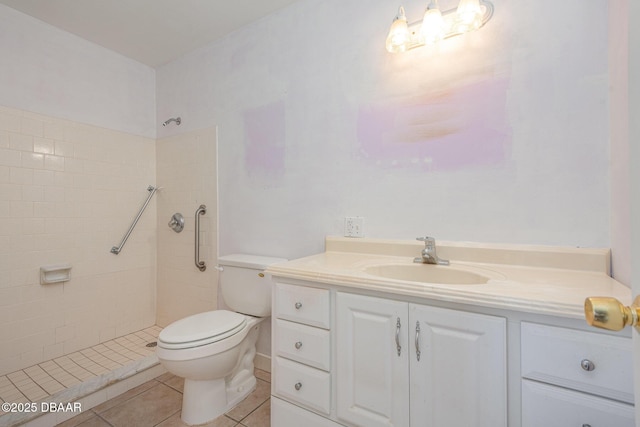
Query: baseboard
{"x": 263, "y": 362}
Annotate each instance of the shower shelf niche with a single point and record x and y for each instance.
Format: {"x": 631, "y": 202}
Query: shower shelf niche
{"x": 55, "y": 274}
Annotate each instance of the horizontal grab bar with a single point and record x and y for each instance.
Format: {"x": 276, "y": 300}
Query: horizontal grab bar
{"x": 116, "y": 249}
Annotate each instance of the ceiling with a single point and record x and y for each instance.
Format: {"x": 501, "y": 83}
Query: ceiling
{"x": 152, "y": 32}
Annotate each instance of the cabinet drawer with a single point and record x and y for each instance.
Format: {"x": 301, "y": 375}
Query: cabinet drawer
{"x": 285, "y": 414}
{"x": 550, "y": 406}
{"x": 299, "y": 383}
{"x": 555, "y": 355}
{"x": 303, "y": 305}
{"x": 305, "y": 344}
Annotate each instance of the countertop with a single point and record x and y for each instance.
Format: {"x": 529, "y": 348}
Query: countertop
{"x": 535, "y": 279}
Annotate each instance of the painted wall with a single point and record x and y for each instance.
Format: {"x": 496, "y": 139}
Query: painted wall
{"x": 68, "y": 193}
{"x": 634, "y": 161}
{"x": 497, "y": 136}
{"x": 187, "y": 175}
{"x": 619, "y": 40}
{"x": 52, "y": 72}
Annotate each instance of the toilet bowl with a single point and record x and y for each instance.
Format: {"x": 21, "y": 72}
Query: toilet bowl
{"x": 214, "y": 351}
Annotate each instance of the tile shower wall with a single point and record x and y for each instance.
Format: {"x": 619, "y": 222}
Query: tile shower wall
{"x": 187, "y": 175}
{"x": 68, "y": 193}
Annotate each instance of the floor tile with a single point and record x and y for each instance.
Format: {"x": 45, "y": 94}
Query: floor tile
{"x": 252, "y": 402}
{"x": 263, "y": 375}
{"x": 146, "y": 409}
{"x": 125, "y": 396}
{"x": 175, "y": 383}
{"x": 175, "y": 421}
{"x": 261, "y": 417}
{"x": 94, "y": 422}
{"x": 157, "y": 403}
{"x": 78, "y": 419}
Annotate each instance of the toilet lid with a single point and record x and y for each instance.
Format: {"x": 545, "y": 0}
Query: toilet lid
{"x": 203, "y": 328}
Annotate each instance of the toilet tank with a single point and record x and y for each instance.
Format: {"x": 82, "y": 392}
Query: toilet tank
{"x": 244, "y": 285}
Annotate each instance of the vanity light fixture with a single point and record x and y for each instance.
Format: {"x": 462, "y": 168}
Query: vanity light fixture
{"x": 437, "y": 25}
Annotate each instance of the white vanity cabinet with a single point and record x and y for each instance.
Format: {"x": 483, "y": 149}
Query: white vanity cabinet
{"x": 301, "y": 365}
{"x": 402, "y": 364}
{"x": 573, "y": 377}
{"x": 350, "y": 359}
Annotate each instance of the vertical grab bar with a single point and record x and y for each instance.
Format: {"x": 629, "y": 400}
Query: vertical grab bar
{"x": 116, "y": 249}
{"x": 200, "y": 264}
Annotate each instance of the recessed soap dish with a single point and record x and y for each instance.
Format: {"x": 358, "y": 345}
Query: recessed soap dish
{"x": 55, "y": 273}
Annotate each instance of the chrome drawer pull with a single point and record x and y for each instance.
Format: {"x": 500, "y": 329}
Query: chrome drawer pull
{"x": 418, "y": 340}
{"x": 587, "y": 365}
{"x": 298, "y": 345}
{"x": 398, "y": 347}
{"x": 298, "y": 386}
{"x": 298, "y": 305}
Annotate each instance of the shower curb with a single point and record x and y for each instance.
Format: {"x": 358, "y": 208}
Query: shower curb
{"x": 89, "y": 393}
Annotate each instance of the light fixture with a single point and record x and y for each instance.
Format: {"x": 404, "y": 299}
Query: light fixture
{"x": 399, "y": 37}
{"x": 437, "y": 25}
{"x": 468, "y": 16}
{"x": 433, "y": 27}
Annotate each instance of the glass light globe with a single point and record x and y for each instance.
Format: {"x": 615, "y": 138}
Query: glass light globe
{"x": 468, "y": 16}
{"x": 433, "y": 26}
{"x": 399, "y": 37}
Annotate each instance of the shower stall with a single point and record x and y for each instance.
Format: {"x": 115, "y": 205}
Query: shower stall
{"x": 68, "y": 192}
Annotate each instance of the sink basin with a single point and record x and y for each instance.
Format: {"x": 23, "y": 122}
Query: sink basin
{"x": 428, "y": 273}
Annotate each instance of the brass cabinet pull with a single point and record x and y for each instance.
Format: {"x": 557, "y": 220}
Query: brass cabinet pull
{"x": 609, "y": 313}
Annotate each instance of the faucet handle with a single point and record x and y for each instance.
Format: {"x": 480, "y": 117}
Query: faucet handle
{"x": 428, "y": 241}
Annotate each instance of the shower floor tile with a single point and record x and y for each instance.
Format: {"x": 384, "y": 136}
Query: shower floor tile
{"x": 44, "y": 380}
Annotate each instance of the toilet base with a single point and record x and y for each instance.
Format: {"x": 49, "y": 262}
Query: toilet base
{"x": 204, "y": 401}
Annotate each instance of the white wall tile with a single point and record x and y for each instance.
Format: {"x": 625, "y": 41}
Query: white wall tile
{"x": 56, "y": 209}
{"x": 10, "y": 157}
{"x": 32, "y": 160}
{"x": 183, "y": 289}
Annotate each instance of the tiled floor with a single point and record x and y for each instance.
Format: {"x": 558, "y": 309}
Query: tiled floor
{"x": 158, "y": 403}
{"x": 41, "y": 381}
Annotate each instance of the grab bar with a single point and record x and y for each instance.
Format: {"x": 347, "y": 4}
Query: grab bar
{"x": 116, "y": 249}
{"x": 200, "y": 264}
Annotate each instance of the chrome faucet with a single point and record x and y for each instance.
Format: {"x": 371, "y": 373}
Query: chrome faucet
{"x": 428, "y": 255}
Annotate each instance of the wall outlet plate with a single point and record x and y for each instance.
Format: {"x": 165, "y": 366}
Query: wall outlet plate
{"x": 353, "y": 226}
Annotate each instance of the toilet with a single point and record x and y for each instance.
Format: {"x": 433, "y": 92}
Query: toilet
{"x": 214, "y": 351}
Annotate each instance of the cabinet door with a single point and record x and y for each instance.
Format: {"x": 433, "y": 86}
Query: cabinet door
{"x": 461, "y": 376}
{"x": 371, "y": 373}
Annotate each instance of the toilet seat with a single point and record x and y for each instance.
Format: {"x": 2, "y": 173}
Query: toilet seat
{"x": 201, "y": 329}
